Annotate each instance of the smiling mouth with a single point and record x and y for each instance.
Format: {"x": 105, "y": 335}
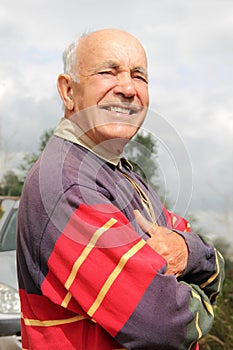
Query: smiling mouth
{"x": 120, "y": 109}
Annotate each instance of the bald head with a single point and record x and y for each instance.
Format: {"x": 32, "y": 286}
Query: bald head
{"x": 83, "y": 49}
{"x": 107, "y": 41}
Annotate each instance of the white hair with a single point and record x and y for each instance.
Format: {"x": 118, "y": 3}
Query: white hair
{"x": 70, "y": 58}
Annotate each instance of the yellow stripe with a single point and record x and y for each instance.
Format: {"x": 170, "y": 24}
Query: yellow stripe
{"x": 195, "y": 295}
{"x": 198, "y": 327}
{"x": 83, "y": 256}
{"x": 209, "y": 308}
{"x": 112, "y": 277}
{"x": 191, "y": 345}
{"x": 66, "y": 300}
{"x": 218, "y": 289}
{"x": 144, "y": 198}
{"x": 220, "y": 279}
{"x": 51, "y": 323}
{"x": 212, "y": 278}
{"x": 207, "y": 305}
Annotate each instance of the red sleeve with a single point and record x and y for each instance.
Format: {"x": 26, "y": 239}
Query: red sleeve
{"x": 176, "y": 222}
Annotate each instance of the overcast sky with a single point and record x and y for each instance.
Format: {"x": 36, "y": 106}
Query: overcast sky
{"x": 190, "y": 52}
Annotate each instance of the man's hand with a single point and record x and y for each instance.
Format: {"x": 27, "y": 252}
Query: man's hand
{"x": 167, "y": 243}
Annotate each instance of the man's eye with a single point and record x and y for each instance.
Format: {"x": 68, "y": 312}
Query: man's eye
{"x": 140, "y": 77}
{"x": 106, "y": 72}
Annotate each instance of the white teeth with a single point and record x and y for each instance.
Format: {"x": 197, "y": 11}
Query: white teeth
{"x": 119, "y": 110}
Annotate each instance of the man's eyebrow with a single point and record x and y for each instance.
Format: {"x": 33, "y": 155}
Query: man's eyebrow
{"x": 115, "y": 65}
{"x": 140, "y": 70}
{"x": 107, "y": 64}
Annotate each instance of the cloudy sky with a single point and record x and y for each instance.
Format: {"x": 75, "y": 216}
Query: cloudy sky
{"x": 190, "y": 52}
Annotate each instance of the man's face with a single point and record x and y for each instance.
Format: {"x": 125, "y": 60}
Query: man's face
{"x": 111, "y": 97}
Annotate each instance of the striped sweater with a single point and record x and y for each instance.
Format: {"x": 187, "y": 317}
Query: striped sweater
{"x": 87, "y": 278}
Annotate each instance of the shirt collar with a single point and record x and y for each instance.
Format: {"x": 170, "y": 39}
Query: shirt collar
{"x": 70, "y": 131}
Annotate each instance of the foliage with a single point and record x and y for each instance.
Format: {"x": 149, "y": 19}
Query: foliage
{"x": 11, "y": 185}
{"x": 45, "y": 138}
{"x": 30, "y": 158}
{"x": 142, "y": 154}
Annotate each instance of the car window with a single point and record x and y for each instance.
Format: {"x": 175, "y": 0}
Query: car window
{"x": 9, "y": 236}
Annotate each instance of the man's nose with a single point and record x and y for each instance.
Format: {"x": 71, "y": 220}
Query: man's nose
{"x": 125, "y": 85}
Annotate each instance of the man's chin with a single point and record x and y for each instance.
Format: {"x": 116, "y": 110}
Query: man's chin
{"x": 113, "y": 143}
{"x": 119, "y": 130}
{"x": 115, "y": 146}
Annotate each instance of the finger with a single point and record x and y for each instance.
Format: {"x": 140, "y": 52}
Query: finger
{"x": 145, "y": 224}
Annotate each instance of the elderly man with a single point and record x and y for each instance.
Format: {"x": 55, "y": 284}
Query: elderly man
{"x": 101, "y": 263}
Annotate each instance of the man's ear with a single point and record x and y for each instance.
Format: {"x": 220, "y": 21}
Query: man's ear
{"x": 64, "y": 85}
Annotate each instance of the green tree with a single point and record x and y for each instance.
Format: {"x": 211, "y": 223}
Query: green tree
{"x": 11, "y": 184}
{"x": 45, "y": 138}
{"x": 142, "y": 154}
{"x": 30, "y": 158}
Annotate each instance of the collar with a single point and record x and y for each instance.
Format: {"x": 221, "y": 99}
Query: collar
{"x": 70, "y": 131}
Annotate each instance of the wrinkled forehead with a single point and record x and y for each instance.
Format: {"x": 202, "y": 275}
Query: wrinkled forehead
{"x": 114, "y": 45}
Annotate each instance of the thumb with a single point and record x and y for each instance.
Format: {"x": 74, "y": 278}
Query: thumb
{"x": 144, "y": 224}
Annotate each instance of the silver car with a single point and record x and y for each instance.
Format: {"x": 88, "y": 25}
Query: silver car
{"x": 9, "y": 297}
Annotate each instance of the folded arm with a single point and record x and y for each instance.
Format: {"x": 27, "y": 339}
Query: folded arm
{"x": 114, "y": 278}
{"x": 205, "y": 265}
